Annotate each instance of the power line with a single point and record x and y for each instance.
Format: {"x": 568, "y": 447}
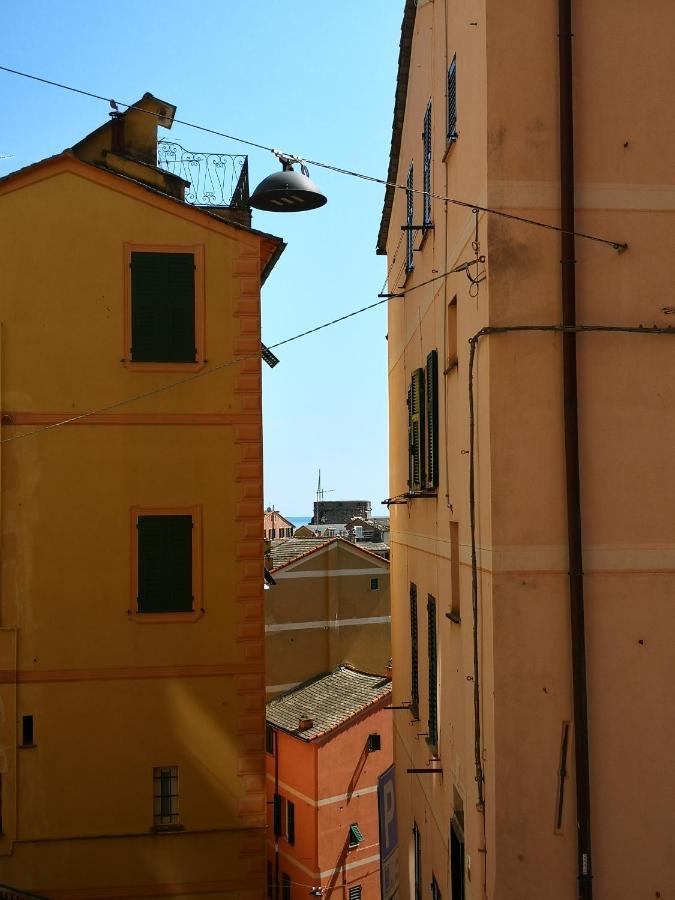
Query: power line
{"x": 616, "y": 245}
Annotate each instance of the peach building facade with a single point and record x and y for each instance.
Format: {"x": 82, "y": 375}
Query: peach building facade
{"x": 328, "y": 741}
{"x": 131, "y": 612}
{"x": 488, "y": 659}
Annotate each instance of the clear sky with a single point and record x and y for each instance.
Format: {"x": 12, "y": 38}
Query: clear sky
{"x": 314, "y": 79}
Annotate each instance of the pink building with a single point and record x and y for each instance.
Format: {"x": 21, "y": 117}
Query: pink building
{"x": 276, "y": 526}
{"x": 328, "y": 741}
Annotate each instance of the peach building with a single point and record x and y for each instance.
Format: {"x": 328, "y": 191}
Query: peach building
{"x": 531, "y": 471}
{"x": 328, "y": 604}
{"x": 329, "y": 741}
{"x": 275, "y": 526}
{"x": 132, "y": 687}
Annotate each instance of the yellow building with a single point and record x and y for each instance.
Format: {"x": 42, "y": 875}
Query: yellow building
{"x": 132, "y": 691}
{"x": 328, "y": 604}
{"x": 541, "y": 762}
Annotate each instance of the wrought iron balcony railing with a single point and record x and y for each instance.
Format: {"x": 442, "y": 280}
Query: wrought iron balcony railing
{"x": 216, "y": 179}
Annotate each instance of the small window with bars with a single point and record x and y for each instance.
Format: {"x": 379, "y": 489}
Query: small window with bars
{"x": 165, "y": 793}
{"x": 433, "y": 671}
{"x": 414, "y": 654}
{"x": 409, "y": 219}
{"x": 452, "y": 101}
{"x": 426, "y": 171}
{"x": 355, "y": 892}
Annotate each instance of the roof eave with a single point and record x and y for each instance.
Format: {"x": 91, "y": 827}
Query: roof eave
{"x": 404, "y": 54}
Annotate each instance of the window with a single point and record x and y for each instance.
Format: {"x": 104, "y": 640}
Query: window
{"x": 433, "y": 672}
{"x": 270, "y": 880}
{"x": 167, "y": 560}
{"x": 457, "y": 855}
{"x": 285, "y": 886}
{"x": 414, "y": 654}
{"x": 409, "y": 214}
{"x": 374, "y": 584}
{"x": 455, "y": 608}
{"x": 165, "y": 782}
{"x": 163, "y": 307}
{"x": 451, "y": 357}
{"x": 431, "y": 382}
{"x": 290, "y": 822}
{"x": 269, "y": 739}
{"x": 278, "y": 814}
{"x": 27, "y": 732}
{"x": 416, "y": 432}
{"x": 435, "y": 890}
{"x": 417, "y": 863}
{"x": 452, "y": 101}
{"x": 374, "y": 743}
{"x": 426, "y": 172}
{"x": 355, "y": 892}
{"x": 355, "y": 836}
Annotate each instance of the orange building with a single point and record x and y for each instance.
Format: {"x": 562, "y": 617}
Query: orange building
{"x": 131, "y": 595}
{"x": 276, "y": 526}
{"x": 328, "y": 741}
{"x": 531, "y": 471}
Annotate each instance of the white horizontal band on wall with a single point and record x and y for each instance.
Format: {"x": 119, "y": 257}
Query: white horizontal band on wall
{"x": 333, "y": 623}
{"x": 333, "y": 573}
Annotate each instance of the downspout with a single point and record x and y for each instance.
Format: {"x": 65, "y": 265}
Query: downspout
{"x": 571, "y": 421}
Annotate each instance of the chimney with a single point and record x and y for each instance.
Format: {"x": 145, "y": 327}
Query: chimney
{"x": 305, "y": 723}
{"x": 117, "y": 142}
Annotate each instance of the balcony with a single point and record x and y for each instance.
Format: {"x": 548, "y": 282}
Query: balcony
{"x": 218, "y": 181}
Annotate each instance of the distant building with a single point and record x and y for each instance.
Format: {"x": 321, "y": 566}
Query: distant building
{"x": 328, "y": 741}
{"x": 329, "y": 605}
{"x": 276, "y": 526}
{"x": 330, "y": 512}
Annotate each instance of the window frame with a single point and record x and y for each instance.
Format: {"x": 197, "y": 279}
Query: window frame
{"x": 198, "y": 600}
{"x": 175, "y": 824}
{"x": 197, "y": 250}
{"x": 375, "y": 584}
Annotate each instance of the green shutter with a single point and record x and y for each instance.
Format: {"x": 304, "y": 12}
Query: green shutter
{"x": 163, "y": 307}
{"x": 414, "y": 654}
{"x": 290, "y": 822}
{"x": 432, "y": 420}
{"x": 164, "y": 564}
{"x": 277, "y": 814}
{"x": 433, "y": 671}
{"x": 417, "y": 429}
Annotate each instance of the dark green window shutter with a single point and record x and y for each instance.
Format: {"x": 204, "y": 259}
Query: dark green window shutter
{"x": 164, "y": 564}
{"x": 290, "y": 822}
{"x": 452, "y": 101}
{"x": 163, "y": 307}
{"x": 432, "y": 420}
{"x": 433, "y": 671}
{"x": 417, "y": 429}
{"x": 414, "y": 654}
{"x": 277, "y": 814}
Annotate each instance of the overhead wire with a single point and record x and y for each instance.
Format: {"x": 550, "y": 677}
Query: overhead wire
{"x": 616, "y": 245}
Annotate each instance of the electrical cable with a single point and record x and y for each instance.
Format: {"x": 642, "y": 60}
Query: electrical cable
{"x": 616, "y": 245}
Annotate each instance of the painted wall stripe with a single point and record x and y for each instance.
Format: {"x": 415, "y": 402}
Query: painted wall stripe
{"x": 333, "y": 623}
{"x": 333, "y": 573}
{"x": 324, "y": 801}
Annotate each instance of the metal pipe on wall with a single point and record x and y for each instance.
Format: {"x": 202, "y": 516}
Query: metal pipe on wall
{"x": 572, "y": 475}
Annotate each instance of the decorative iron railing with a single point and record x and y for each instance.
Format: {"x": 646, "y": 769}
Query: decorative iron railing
{"x": 216, "y": 179}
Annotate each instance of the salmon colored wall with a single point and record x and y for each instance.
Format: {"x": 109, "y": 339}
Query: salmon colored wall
{"x": 507, "y": 157}
{"x": 113, "y": 695}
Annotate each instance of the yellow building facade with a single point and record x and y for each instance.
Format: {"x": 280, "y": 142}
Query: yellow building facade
{"x": 131, "y": 608}
{"x": 487, "y": 657}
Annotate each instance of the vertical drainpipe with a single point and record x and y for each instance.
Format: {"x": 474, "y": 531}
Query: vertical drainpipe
{"x": 585, "y": 888}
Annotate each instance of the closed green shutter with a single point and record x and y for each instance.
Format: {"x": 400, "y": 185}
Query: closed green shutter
{"x": 164, "y": 564}
{"x": 433, "y": 671}
{"x": 414, "y": 654}
{"x": 417, "y": 429}
{"x": 277, "y": 814}
{"x": 163, "y": 307}
{"x": 432, "y": 420}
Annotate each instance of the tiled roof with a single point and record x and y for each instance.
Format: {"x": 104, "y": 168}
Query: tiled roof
{"x": 375, "y": 547}
{"x": 285, "y": 551}
{"x": 329, "y": 701}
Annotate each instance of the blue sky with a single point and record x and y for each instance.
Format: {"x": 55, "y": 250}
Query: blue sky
{"x": 316, "y": 80}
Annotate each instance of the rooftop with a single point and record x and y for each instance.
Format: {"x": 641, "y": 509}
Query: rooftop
{"x": 284, "y": 551}
{"x": 329, "y": 700}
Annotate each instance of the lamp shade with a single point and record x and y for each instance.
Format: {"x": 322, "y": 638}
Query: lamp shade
{"x": 287, "y": 191}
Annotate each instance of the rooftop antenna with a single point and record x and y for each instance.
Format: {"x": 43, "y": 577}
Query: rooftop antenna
{"x": 319, "y": 498}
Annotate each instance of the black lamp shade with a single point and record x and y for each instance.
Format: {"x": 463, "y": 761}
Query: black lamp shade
{"x": 287, "y": 191}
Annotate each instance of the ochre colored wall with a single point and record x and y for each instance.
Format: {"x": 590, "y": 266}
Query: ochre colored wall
{"x": 327, "y": 600}
{"x": 113, "y": 694}
{"x": 507, "y": 157}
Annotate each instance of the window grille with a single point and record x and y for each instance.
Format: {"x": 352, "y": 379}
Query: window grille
{"x": 165, "y": 783}
{"x": 409, "y": 214}
{"x": 414, "y": 654}
{"x": 426, "y": 175}
{"x": 433, "y": 672}
{"x": 355, "y": 892}
{"x": 452, "y": 101}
